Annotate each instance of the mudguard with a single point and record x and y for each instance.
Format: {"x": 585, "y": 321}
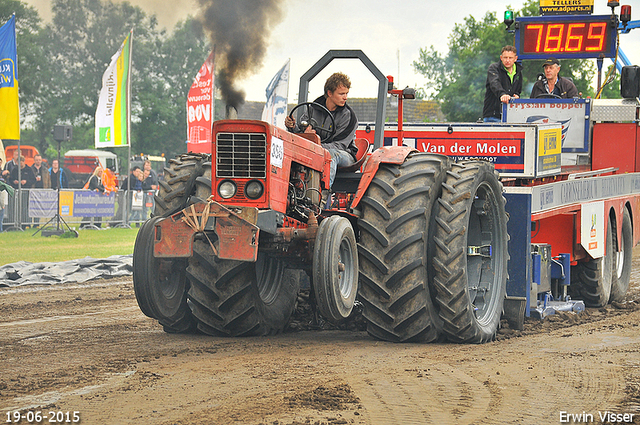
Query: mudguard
{"x": 387, "y": 155}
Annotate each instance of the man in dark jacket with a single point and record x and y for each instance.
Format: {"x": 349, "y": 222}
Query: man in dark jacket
{"x": 504, "y": 82}
{"x": 341, "y": 145}
{"x": 552, "y": 85}
{"x": 27, "y": 179}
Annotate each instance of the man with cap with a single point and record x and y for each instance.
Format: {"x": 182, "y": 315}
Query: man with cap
{"x": 552, "y": 84}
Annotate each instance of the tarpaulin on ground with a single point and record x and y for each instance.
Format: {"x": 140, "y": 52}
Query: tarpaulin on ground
{"x": 85, "y": 269}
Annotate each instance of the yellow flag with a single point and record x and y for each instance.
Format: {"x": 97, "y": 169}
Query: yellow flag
{"x": 9, "y": 107}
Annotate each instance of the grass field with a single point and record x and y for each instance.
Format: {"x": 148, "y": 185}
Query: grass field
{"x": 22, "y": 246}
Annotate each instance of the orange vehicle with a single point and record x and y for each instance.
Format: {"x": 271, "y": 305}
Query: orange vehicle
{"x": 27, "y": 151}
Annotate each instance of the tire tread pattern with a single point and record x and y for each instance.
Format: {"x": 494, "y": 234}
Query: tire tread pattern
{"x": 394, "y": 231}
{"x": 450, "y": 279}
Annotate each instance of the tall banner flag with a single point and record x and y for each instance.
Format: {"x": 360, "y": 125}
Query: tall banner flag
{"x": 113, "y": 113}
{"x": 200, "y": 108}
{"x": 9, "y": 107}
{"x": 275, "y": 109}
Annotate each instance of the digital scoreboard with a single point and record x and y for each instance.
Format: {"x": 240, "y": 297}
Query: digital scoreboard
{"x": 566, "y": 37}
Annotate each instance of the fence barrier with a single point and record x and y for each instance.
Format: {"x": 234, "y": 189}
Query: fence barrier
{"x": 30, "y": 208}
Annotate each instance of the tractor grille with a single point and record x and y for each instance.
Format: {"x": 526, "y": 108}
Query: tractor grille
{"x": 241, "y": 155}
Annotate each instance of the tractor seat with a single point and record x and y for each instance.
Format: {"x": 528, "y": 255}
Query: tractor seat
{"x": 363, "y": 148}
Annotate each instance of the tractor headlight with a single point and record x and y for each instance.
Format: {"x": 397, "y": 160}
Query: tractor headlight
{"x": 227, "y": 189}
{"x": 254, "y": 189}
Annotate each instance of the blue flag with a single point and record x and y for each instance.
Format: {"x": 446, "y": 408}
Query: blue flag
{"x": 277, "y": 92}
{"x": 9, "y": 107}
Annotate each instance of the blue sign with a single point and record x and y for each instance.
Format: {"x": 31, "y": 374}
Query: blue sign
{"x": 88, "y": 203}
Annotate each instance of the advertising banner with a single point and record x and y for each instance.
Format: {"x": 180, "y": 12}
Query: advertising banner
{"x": 566, "y": 7}
{"x": 88, "y": 203}
{"x": 113, "y": 113}
{"x": 42, "y": 203}
{"x": 570, "y": 113}
{"x": 200, "y": 108}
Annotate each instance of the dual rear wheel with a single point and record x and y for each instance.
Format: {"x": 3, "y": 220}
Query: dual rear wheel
{"x": 433, "y": 251}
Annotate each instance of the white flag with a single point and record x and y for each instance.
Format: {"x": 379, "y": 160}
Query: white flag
{"x": 113, "y": 112}
{"x": 275, "y": 109}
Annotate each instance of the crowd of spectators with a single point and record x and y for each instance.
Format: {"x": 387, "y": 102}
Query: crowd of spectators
{"x": 141, "y": 183}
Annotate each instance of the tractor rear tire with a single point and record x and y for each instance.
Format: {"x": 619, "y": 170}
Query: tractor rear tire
{"x": 335, "y": 268}
{"x": 623, "y": 258}
{"x": 239, "y": 298}
{"x": 203, "y": 183}
{"x": 394, "y": 234}
{"x": 471, "y": 254}
{"x": 591, "y": 280}
{"x": 160, "y": 285}
{"x": 179, "y": 183}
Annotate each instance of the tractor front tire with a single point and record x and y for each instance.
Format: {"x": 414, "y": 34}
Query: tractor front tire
{"x": 470, "y": 256}
{"x": 239, "y": 298}
{"x": 394, "y": 237}
{"x": 178, "y": 185}
{"x": 160, "y": 285}
{"x": 335, "y": 268}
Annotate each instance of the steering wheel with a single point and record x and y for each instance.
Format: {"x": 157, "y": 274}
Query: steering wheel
{"x": 311, "y": 121}
{"x": 548, "y": 96}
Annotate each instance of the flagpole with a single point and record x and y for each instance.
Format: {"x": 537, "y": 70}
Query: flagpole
{"x": 127, "y": 212}
{"x": 18, "y": 199}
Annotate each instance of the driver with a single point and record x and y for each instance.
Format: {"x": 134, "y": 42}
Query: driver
{"x": 552, "y": 83}
{"x": 341, "y": 145}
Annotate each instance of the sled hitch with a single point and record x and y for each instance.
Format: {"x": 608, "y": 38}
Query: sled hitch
{"x": 549, "y": 306}
{"x": 237, "y": 234}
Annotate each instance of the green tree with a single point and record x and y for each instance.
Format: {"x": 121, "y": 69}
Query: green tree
{"x": 611, "y": 89}
{"x": 61, "y": 67}
{"x": 458, "y": 79}
{"x": 161, "y": 89}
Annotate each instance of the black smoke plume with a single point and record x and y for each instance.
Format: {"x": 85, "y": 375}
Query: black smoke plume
{"x": 239, "y": 30}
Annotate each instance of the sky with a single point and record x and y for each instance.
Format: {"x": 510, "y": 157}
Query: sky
{"x": 390, "y": 33}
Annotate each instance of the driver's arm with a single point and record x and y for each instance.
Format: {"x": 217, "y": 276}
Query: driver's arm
{"x": 292, "y": 126}
{"x": 289, "y": 122}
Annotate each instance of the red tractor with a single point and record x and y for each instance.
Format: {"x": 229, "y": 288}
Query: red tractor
{"x": 419, "y": 240}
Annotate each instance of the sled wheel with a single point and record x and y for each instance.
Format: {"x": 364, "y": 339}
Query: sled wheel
{"x": 470, "y": 256}
{"x": 160, "y": 285}
{"x": 335, "y": 268}
{"x": 179, "y": 183}
{"x": 239, "y": 298}
{"x": 591, "y": 280}
{"x": 623, "y": 258}
{"x": 394, "y": 233}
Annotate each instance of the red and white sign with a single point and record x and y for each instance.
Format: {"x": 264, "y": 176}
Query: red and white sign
{"x": 200, "y": 108}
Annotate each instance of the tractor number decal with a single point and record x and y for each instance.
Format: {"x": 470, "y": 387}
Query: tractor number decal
{"x": 277, "y": 152}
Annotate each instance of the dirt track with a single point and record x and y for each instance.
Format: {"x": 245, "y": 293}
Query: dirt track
{"x": 88, "y": 348}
